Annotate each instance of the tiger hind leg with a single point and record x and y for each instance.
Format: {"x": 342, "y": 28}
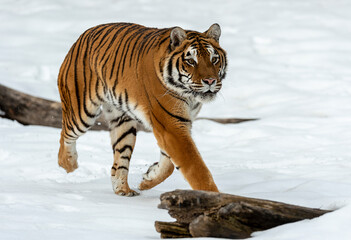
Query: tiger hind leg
{"x": 123, "y": 136}
{"x": 157, "y": 172}
{"x": 71, "y": 131}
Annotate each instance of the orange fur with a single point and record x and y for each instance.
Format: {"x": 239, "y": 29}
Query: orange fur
{"x": 137, "y": 75}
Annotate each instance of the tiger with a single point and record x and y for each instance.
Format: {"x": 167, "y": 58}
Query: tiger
{"x": 136, "y": 76}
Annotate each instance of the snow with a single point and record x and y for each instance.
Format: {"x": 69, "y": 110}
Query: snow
{"x": 289, "y": 66}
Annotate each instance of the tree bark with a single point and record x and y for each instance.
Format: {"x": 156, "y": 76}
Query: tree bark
{"x": 31, "y": 110}
{"x": 209, "y": 214}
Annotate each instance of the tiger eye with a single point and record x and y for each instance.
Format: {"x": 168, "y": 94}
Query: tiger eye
{"x": 191, "y": 61}
{"x": 214, "y": 60}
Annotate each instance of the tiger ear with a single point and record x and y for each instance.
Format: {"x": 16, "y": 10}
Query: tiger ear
{"x": 178, "y": 35}
{"x": 214, "y": 32}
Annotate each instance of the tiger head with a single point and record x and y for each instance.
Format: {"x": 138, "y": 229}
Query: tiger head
{"x": 195, "y": 64}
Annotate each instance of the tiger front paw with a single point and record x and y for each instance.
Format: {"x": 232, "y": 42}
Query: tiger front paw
{"x": 127, "y": 193}
{"x": 147, "y": 184}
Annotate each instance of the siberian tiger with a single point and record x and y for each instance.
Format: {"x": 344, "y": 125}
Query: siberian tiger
{"x": 158, "y": 78}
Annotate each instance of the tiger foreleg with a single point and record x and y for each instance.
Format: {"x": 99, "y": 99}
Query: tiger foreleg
{"x": 157, "y": 172}
{"x": 185, "y": 156}
{"x": 123, "y": 136}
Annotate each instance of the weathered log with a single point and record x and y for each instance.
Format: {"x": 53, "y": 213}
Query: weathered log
{"x": 172, "y": 229}
{"x": 31, "y": 110}
{"x": 227, "y": 120}
{"x": 209, "y": 214}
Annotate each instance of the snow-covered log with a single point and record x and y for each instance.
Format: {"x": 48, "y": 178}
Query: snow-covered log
{"x": 209, "y": 214}
{"x": 31, "y": 110}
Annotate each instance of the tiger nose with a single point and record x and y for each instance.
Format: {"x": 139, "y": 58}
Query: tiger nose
{"x": 209, "y": 81}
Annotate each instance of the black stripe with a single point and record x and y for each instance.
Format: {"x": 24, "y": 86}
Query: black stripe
{"x": 120, "y": 101}
{"x": 170, "y": 92}
{"x": 128, "y": 108}
{"x": 151, "y": 39}
{"x": 172, "y": 115}
{"x": 150, "y": 168}
{"x": 97, "y": 90}
{"x": 126, "y": 47}
{"x": 112, "y": 41}
{"x": 177, "y": 97}
{"x": 120, "y": 120}
{"x": 122, "y": 167}
{"x": 136, "y": 42}
{"x": 69, "y": 135}
{"x": 177, "y": 67}
{"x": 131, "y": 38}
{"x": 126, "y": 98}
{"x": 116, "y": 51}
{"x": 69, "y": 61}
{"x": 125, "y": 147}
{"x": 126, "y": 119}
{"x": 170, "y": 67}
{"x": 159, "y": 122}
{"x": 90, "y": 89}
{"x": 74, "y": 122}
{"x": 96, "y": 42}
{"x": 97, "y": 32}
{"x": 196, "y": 105}
{"x": 85, "y": 108}
{"x": 163, "y": 40}
{"x": 105, "y": 59}
{"x": 99, "y": 28}
{"x": 114, "y": 168}
{"x": 154, "y": 39}
{"x": 164, "y": 154}
{"x": 68, "y": 138}
{"x": 176, "y": 84}
{"x": 70, "y": 127}
{"x": 86, "y": 125}
{"x": 142, "y": 45}
{"x": 132, "y": 130}
{"x": 102, "y": 43}
{"x": 169, "y": 71}
{"x": 194, "y": 45}
{"x": 126, "y": 157}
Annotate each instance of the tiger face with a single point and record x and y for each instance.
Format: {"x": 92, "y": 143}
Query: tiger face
{"x": 196, "y": 64}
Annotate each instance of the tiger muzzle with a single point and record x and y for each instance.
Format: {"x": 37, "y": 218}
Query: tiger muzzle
{"x": 209, "y": 85}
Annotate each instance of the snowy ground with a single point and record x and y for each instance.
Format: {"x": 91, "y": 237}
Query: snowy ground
{"x": 289, "y": 65}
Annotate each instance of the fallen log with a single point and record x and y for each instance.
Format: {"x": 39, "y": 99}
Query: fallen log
{"x": 30, "y": 110}
{"x": 209, "y": 214}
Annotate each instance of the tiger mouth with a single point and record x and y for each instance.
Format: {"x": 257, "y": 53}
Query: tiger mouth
{"x": 202, "y": 93}
{"x": 208, "y": 95}
{"x": 206, "y": 92}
